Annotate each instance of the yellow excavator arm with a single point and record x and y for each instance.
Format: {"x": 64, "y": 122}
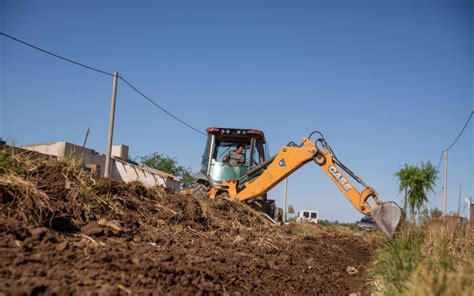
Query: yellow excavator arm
{"x": 291, "y": 157}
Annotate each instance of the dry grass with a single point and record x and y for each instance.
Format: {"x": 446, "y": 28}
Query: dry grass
{"x": 39, "y": 190}
{"x": 23, "y": 198}
{"x": 432, "y": 259}
{"x": 448, "y": 265}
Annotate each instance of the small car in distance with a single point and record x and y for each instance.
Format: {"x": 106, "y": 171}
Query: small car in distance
{"x": 366, "y": 223}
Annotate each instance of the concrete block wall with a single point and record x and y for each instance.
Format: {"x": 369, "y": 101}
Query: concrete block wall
{"x": 121, "y": 169}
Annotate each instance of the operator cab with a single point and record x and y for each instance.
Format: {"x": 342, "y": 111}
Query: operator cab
{"x": 222, "y": 140}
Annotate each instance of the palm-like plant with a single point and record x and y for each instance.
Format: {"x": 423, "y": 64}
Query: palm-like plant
{"x": 416, "y": 182}
{"x": 428, "y": 176}
{"x": 404, "y": 176}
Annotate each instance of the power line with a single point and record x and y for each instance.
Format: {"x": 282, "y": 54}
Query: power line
{"x": 472, "y": 112}
{"x": 56, "y": 55}
{"x": 105, "y": 73}
{"x": 462, "y": 131}
{"x": 455, "y": 141}
{"x": 439, "y": 162}
{"x": 159, "y": 107}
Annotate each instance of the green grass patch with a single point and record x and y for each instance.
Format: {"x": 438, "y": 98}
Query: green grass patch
{"x": 396, "y": 260}
{"x": 9, "y": 163}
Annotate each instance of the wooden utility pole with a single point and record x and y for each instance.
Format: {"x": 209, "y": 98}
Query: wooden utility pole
{"x": 469, "y": 202}
{"x": 445, "y": 181}
{"x": 85, "y": 141}
{"x": 459, "y": 200}
{"x": 284, "y": 200}
{"x": 111, "y": 128}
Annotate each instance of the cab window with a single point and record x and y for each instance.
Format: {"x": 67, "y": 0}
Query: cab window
{"x": 224, "y": 147}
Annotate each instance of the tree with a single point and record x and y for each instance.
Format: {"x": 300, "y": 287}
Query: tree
{"x": 405, "y": 176}
{"x": 416, "y": 182}
{"x": 169, "y": 165}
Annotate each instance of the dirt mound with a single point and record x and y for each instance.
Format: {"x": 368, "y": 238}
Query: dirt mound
{"x": 63, "y": 232}
{"x": 62, "y": 195}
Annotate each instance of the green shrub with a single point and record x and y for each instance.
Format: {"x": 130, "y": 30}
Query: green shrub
{"x": 8, "y": 162}
{"x": 396, "y": 260}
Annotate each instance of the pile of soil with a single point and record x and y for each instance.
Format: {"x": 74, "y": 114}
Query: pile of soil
{"x": 61, "y": 232}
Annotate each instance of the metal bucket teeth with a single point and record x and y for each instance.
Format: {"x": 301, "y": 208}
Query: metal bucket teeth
{"x": 387, "y": 216}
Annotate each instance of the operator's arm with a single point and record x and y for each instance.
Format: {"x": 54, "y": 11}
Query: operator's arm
{"x": 242, "y": 158}
{"x": 226, "y": 157}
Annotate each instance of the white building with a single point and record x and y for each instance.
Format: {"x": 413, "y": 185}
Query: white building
{"x": 121, "y": 168}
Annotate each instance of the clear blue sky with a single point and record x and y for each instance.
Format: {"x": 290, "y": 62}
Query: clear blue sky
{"x": 387, "y": 84}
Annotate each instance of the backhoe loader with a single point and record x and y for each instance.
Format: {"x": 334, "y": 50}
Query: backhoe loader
{"x": 260, "y": 173}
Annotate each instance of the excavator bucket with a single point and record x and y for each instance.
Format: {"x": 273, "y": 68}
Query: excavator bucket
{"x": 387, "y": 216}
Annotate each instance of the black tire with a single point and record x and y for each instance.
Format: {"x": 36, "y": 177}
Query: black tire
{"x": 267, "y": 206}
{"x": 256, "y": 205}
{"x": 199, "y": 190}
{"x": 278, "y": 215}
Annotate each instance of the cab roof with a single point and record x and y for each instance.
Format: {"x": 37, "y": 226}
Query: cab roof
{"x": 224, "y": 131}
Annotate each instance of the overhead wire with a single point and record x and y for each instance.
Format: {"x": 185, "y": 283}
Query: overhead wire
{"x": 462, "y": 131}
{"x": 159, "y": 107}
{"x": 152, "y": 101}
{"x": 56, "y": 55}
{"x": 108, "y": 74}
{"x": 439, "y": 162}
{"x": 455, "y": 141}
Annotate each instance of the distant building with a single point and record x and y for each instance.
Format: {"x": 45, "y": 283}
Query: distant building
{"x": 121, "y": 168}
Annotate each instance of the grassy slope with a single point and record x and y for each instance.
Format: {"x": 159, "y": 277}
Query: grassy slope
{"x": 431, "y": 259}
